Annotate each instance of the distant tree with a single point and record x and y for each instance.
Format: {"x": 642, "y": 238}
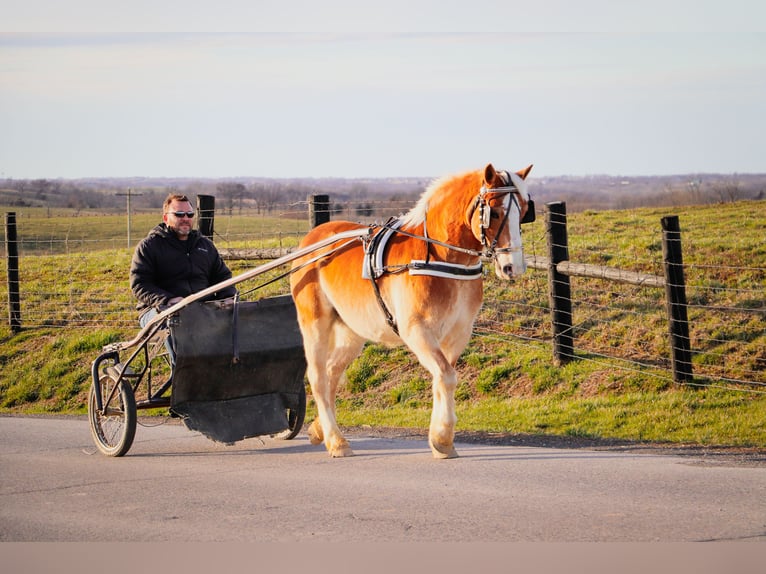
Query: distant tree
{"x": 695, "y": 190}
{"x": 727, "y": 190}
{"x": 41, "y": 188}
{"x": 365, "y": 209}
{"x": 231, "y": 193}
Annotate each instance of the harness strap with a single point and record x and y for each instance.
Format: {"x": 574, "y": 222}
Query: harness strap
{"x": 374, "y": 272}
{"x": 235, "y": 330}
{"x": 374, "y": 266}
{"x": 447, "y": 270}
{"x": 389, "y": 317}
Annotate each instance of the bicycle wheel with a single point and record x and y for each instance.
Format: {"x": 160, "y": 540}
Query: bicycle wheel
{"x": 295, "y": 418}
{"x": 114, "y": 428}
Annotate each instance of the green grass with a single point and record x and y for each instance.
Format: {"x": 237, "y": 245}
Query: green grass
{"x": 47, "y": 370}
{"x": 683, "y": 416}
{"x": 78, "y": 300}
{"x": 67, "y": 231}
{"x": 528, "y": 395}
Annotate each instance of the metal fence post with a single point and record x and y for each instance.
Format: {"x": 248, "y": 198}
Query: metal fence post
{"x": 319, "y": 209}
{"x": 206, "y": 215}
{"x": 675, "y": 294}
{"x": 559, "y": 288}
{"x": 14, "y": 295}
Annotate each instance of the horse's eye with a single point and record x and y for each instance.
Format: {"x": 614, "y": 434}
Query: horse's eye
{"x": 494, "y": 215}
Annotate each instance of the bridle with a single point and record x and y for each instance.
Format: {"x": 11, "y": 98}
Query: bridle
{"x": 490, "y": 249}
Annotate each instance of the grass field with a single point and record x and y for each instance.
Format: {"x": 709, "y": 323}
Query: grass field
{"x": 508, "y": 382}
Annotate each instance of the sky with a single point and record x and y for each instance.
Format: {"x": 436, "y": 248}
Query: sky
{"x": 332, "y": 88}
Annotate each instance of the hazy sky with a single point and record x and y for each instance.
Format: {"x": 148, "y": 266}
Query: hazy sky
{"x": 333, "y": 88}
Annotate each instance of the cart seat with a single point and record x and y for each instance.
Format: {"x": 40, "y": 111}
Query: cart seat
{"x": 239, "y": 367}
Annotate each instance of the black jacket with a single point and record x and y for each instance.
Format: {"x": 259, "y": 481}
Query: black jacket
{"x": 164, "y": 267}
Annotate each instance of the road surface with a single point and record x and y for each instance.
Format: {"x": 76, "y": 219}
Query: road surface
{"x": 176, "y": 485}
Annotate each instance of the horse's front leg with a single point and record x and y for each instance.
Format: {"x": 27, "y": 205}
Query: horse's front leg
{"x": 441, "y": 433}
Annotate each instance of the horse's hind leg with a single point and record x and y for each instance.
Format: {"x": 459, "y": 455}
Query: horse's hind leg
{"x": 327, "y": 358}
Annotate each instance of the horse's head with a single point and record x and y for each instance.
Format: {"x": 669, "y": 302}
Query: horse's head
{"x": 495, "y": 218}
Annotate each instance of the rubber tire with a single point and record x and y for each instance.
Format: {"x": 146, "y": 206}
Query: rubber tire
{"x": 295, "y": 418}
{"x": 118, "y": 438}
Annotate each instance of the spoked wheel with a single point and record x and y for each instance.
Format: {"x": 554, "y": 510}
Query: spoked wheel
{"x": 114, "y": 428}
{"x": 295, "y": 418}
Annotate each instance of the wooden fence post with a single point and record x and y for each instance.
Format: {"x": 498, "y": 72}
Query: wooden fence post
{"x": 206, "y": 215}
{"x": 14, "y": 295}
{"x": 319, "y": 209}
{"x": 675, "y": 294}
{"x": 559, "y": 289}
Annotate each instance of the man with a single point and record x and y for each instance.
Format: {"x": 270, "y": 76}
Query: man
{"x": 173, "y": 262}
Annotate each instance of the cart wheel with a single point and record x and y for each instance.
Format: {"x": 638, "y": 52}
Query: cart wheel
{"x": 113, "y": 429}
{"x": 295, "y": 418}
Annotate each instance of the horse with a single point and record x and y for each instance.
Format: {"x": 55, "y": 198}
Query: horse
{"x": 415, "y": 281}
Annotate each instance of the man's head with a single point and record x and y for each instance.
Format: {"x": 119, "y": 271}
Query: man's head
{"x": 175, "y": 214}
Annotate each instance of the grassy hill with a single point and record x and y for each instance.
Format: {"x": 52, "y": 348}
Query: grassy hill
{"x": 508, "y": 382}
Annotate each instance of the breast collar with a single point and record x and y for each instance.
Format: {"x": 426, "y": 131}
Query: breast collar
{"x": 374, "y": 265}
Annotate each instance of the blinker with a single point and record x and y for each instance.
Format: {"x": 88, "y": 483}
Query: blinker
{"x": 485, "y": 214}
{"x": 529, "y": 216}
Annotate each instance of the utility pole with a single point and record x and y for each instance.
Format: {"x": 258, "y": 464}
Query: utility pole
{"x": 129, "y": 195}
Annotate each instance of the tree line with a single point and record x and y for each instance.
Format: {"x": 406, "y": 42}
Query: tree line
{"x": 265, "y": 196}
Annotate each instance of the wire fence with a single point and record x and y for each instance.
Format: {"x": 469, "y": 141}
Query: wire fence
{"x": 611, "y": 320}
{"x": 74, "y": 274}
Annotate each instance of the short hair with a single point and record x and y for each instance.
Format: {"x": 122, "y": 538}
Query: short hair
{"x": 171, "y": 198}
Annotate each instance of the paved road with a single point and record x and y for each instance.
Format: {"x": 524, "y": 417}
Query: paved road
{"x": 176, "y": 485}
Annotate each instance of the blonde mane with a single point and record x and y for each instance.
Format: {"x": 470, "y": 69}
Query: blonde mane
{"x": 417, "y": 215}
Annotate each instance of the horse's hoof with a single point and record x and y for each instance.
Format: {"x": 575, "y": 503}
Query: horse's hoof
{"x": 341, "y": 452}
{"x": 315, "y": 433}
{"x": 443, "y": 451}
{"x": 314, "y": 439}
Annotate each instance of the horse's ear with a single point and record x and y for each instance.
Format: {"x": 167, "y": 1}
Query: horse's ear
{"x": 489, "y": 173}
{"x": 523, "y": 173}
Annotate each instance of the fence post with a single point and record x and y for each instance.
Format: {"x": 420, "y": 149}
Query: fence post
{"x": 14, "y": 296}
{"x": 675, "y": 294}
{"x": 206, "y": 215}
{"x": 319, "y": 209}
{"x": 559, "y": 289}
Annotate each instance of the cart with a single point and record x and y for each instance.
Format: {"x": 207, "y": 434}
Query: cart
{"x": 239, "y": 368}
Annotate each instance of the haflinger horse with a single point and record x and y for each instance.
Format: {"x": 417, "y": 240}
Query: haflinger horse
{"x": 415, "y": 281}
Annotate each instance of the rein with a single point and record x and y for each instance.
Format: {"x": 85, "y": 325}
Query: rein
{"x": 489, "y": 251}
{"x": 299, "y": 267}
{"x": 427, "y": 239}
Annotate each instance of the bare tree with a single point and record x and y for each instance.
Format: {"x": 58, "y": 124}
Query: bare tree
{"x": 727, "y": 190}
{"x": 231, "y": 193}
{"x": 695, "y": 190}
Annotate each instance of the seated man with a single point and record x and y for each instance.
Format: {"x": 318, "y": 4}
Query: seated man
{"x": 173, "y": 262}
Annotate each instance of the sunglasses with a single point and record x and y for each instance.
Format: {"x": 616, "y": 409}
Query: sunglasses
{"x": 180, "y": 214}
